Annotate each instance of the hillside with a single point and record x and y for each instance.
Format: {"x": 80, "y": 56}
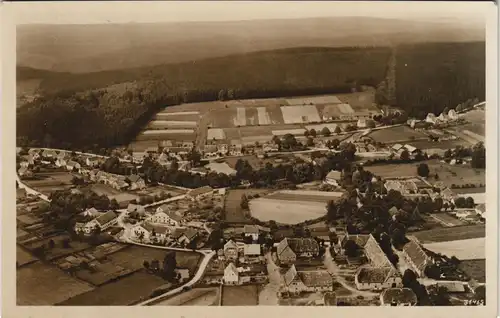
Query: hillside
{"x": 430, "y": 77}
{"x": 92, "y": 48}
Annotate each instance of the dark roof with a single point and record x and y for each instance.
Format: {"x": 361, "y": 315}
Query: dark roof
{"x": 299, "y": 245}
{"x": 106, "y": 217}
{"x": 157, "y": 228}
{"x": 398, "y": 296}
{"x": 178, "y": 232}
{"x": 359, "y": 239}
{"x": 373, "y": 274}
{"x": 190, "y": 233}
{"x": 318, "y": 278}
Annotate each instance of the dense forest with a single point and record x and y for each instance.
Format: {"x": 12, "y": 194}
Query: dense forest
{"x": 117, "y": 112}
{"x": 431, "y": 77}
{"x": 428, "y": 78}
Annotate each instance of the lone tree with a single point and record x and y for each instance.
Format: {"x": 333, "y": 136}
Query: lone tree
{"x": 312, "y": 132}
{"x": 310, "y": 142}
{"x": 409, "y": 278}
{"x": 423, "y": 170}
{"x": 169, "y": 265}
{"x": 351, "y": 248}
{"x": 405, "y": 155}
{"x": 244, "y": 202}
{"x": 326, "y": 132}
{"x": 306, "y": 133}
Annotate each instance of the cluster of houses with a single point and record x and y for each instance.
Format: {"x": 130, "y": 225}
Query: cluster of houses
{"x": 398, "y": 149}
{"x": 94, "y": 220}
{"x": 116, "y": 181}
{"x": 164, "y": 153}
{"x": 442, "y": 118}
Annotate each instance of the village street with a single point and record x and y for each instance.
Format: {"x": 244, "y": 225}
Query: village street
{"x": 333, "y": 269}
{"x": 199, "y": 274}
{"x": 269, "y": 294}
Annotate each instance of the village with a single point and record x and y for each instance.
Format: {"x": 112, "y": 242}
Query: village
{"x": 362, "y": 208}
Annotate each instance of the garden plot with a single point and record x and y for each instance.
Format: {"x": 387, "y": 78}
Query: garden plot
{"x": 216, "y": 133}
{"x": 462, "y": 249}
{"x": 240, "y": 295}
{"x": 263, "y": 116}
{"x": 251, "y": 116}
{"x": 240, "y": 118}
{"x": 300, "y": 114}
{"x": 285, "y": 211}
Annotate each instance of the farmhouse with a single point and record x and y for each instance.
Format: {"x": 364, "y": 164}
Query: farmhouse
{"x": 62, "y": 159}
{"x": 398, "y": 297}
{"x": 84, "y": 227}
{"x": 296, "y": 282}
{"x": 231, "y": 275}
{"x": 72, "y": 165}
{"x": 333, "y": 178}
{"x": 92, "y": 212}
{"x": 231, "y": 250}
{"x": 136, "y": 182}
{"x": 416, "y": 256}
{"x": 198, "y": 193}
{"x": 377, "y": 278}
{"x": 375, "y": 255}
{"x": 157, "y": 232}
{"x": 92, "y": 161}
{"x": 106, "y": 220}
{"x": 251, "y": 252}
{"x": 187, "y": 236}
{"x": 165, "y": 215}
{"x": 289, "y": 249}
{"x": 251, "y": 231}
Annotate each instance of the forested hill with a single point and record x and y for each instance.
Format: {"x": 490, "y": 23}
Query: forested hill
{"x": 429, "y": 77}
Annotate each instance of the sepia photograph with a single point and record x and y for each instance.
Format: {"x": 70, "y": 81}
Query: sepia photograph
{"x": 252, "y": 154}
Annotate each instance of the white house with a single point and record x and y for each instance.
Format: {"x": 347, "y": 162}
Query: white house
{"x": 142, "y": 230}
{"x": 431, "y": 118}
{"x": 251, "y": 231}
{"x": 231, "y": 275}
{"x": 333, "y": 178}
{"x": 92, "y": 161}
{"x": 165, "y": 215}
{"x": 377, "y": 278}
{"x": 481, "y": 210}
{"x": 72, "y": 165}
{"x": 187, "y": 236}
{"x": 296, "y": 282}
{"x": 85, "y": 228}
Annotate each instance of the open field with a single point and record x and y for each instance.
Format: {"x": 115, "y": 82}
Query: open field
{"x": 195, "y": 297}
{"x": 133, "y": 257}
{"x": 23, "y": 257}
{"x": 397, "y": 134}
{"x": 428, "y": 146}
{"x": 475, "y": 268}
{"x": 263, "y": 116}
{"x": 105, "y": 189}
{"x": 456, "y": 174}
{"x": 232, "y": 208}
{"x": 122, "y": 292}
{"x": 240, "y": 295}
{"x": 393, "y": 170}
{"x": 215, "y": 133}
{"x": 168, "y": 131}
{"x": 171, "y": 112}
{"x": 287, "y": 212}
{"x": 50, "y": 181}
{"x": 300, "y": 114}
{"x": 465, "y": 249}
{"x": 40, "y": 284}
{"x": 58, "y": 250}
{"x": 450, "y": 234}
{"x": 159, "y": 135}
{"x": 448, "y": 219}
{"x": 180, "y": 116}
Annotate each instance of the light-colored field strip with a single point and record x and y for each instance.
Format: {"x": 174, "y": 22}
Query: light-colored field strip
{"x": 289, "y": 212}
{"x": 298, "y": 131}
{"x": 216, "y": 133}
{"x": 264, "y": 118}
{"x": 318, "y": 127}
{"x": 345, "y": 108}
{"x": 312, "y": 192}
{"x": 179, "y": 113}
{"x": 300, "y": 114}
{"x": 315, "y": 100}
{"x": 473, "y": 135}
{"x": 168, "y": 131}
{"x": 253, "y": 139}
{"x": 462, "y": 249}
{"x": 173, "y": 123}
{"x": 240, "y": 119}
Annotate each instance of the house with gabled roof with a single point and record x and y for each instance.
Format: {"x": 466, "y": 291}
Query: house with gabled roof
{"x": 481, "y": 210}
{"x": 231, "y": 250}
{"x": 375, "y": 254}
{"x": 92, "y": 212}
{"x": 398, "y": 297}
{"x": 296, "y": 282}
{"x": 416, "y": 256}
{"x": 289, "y": 249}
{"x": 377, "y": 278}
{"x": 231, "y": 275}
{"x": 106, "y": 220}
{"x": 333, "y": 178}
{"x": 136, "y": 182}
{"x": 165, "y": 215}
{"x": 187, "y": 236}
{"x": 251, "y": 231}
